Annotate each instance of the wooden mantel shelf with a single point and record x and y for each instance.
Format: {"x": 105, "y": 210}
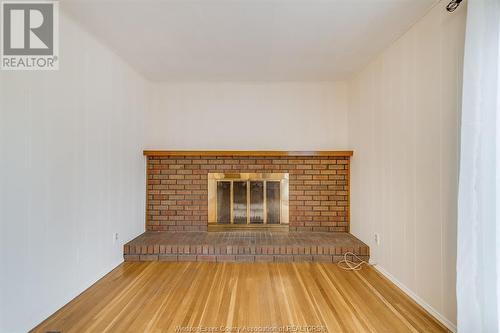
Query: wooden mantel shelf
{"x": 331, "y": 153}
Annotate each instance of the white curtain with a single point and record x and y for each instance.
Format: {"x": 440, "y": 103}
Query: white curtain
{"x": 478, "y": 253}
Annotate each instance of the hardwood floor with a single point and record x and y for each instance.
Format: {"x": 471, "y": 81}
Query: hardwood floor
{"x": 161, "y": 297}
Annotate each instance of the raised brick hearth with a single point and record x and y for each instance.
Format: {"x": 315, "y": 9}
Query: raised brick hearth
{"x": 248, "y": 246}
{"x": 177, "y": 189}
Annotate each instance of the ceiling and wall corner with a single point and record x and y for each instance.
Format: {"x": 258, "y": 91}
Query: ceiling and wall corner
{"x": 247, "y": 71}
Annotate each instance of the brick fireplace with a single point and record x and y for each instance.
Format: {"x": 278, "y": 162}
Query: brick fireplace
{"x": 177, "y": 186}
{"x": 179, "y": 212}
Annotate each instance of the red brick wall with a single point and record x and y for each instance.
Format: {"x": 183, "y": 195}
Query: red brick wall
{"x": 177, "y": 196}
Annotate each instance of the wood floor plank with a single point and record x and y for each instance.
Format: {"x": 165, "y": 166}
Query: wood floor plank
{"x": 161, "y": 297}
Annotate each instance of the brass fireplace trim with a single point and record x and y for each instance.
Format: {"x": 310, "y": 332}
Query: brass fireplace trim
{"x": 213, "y": 178}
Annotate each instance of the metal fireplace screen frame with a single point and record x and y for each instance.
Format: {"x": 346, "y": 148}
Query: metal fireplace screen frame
{"x": 242, "y": 217}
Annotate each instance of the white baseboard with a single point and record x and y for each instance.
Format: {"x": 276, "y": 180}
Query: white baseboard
{"x": 452, "y": 327}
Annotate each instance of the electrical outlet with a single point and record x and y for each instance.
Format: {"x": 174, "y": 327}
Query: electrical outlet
{"x": 116, "y": 236}
{"x": 377, "y": 238}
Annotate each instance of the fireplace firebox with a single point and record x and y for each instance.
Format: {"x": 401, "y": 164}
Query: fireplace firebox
{"x": 248, "y": 200}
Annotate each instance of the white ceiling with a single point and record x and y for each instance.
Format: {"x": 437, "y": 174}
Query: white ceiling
{"x": 247, "y": 40}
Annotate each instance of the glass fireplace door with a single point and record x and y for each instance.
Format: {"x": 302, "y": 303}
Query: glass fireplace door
{"x": 248, "y": 199}
{"x": 240, "y": 202}
{"x": 257, "y": 202}
{"x": 223, "y": 202}
{"x": 273, "y": 199}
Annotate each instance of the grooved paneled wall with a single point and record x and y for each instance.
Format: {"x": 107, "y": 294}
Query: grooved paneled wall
{"x": 404, "y": 123}
{"x": 177, "y": 194}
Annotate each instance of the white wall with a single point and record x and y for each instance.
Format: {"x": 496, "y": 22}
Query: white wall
{"x": 403, "y": 126}
{"x": 253, "y": 116}
{"x": 72, "y": 174}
